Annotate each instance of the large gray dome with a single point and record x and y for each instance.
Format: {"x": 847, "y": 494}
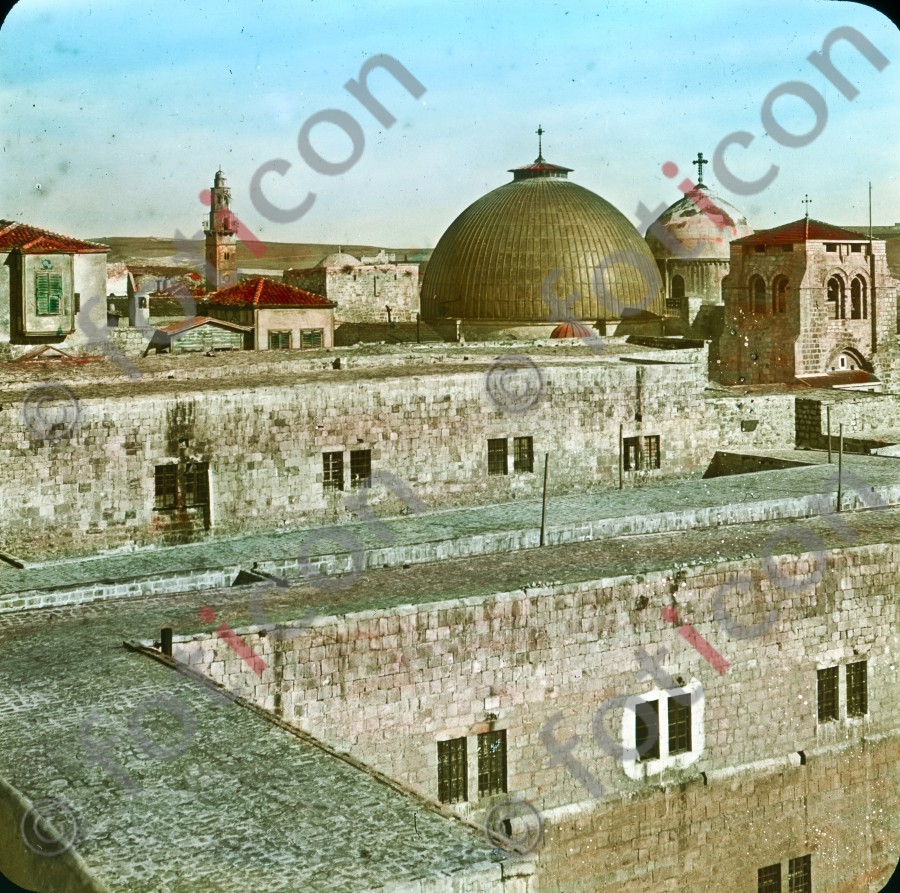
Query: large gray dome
{"x": 520, "y": 251}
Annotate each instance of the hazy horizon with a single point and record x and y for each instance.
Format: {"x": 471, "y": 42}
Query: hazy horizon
{"x": 119, "y": 127}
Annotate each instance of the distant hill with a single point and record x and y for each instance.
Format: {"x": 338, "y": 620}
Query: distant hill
{"x": 277, "y": 256}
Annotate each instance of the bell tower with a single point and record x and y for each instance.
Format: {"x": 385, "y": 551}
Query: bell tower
{"x": 221, "y": 260}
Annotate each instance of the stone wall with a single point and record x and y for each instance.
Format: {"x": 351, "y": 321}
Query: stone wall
{"x": 95, "y": 489}
{"x": 387, "y": 686}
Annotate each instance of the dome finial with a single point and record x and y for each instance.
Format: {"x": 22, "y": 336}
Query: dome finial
{"x": 540, "y": 133}
{"x": 700, "y": 161}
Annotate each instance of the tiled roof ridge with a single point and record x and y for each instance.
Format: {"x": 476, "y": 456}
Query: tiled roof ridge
{"x": 10, "y": 226}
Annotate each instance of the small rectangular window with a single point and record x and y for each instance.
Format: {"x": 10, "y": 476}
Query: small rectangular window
{"x": 768, "y": 879}
{"x": 651, "y": 451}
{"x": 827, "y": 692}
{"x": 333, "y": 470}
{"x": 48, "y": 293}
{"x": 196, "y": 484}
{"x": 279, "y": 340}
{"x": 165, "y": 487}
{"x": 857, "y": 689}
{"x": 497, "y": 461}
{"x": 360, "y": 468}
{"x": 311, "y": 338}
{"x": 679, "y": 723}
{"x": 830, "y": 247}
{"x": 523, "y": 454}
{"x": 787, "y": 249}
{"x": 453, "y": 770}
{"x": 631, "y": 453}
{"x": 492, "y": 763}
{"x": 800, "y": 875}
{"x": 760, "y": 249}
{"x": 646, "y": 729}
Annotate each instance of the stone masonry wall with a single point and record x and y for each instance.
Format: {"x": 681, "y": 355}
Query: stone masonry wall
{"x": 95, "y": 489}
{"x": 387, "y": 686}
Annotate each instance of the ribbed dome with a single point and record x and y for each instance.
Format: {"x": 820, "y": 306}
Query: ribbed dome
{"x": 571, "y": 329}
{"x": 699, "y": 226}
{"x": 538, "y": 236}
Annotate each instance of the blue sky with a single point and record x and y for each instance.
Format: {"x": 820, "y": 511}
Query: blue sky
{"x": 116, "y": 127}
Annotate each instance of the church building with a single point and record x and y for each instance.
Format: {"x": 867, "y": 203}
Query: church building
{"x": 805, "y": 299}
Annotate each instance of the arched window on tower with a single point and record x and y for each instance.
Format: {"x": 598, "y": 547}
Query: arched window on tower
{"x": 858, "y": 302}
{"x": 758, "y": 296}
{"x": 675, "y": 301}
{"x": 780, "y": 294}
{"x": 835, "y": 297}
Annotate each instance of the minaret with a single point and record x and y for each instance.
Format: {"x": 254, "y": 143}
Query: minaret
{"x": 221, "y": 260}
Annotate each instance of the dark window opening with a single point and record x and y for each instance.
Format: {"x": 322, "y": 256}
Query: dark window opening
{"x": 768, "y": 879}
{"x": 279, "y": 340}
{"x": 497, "y": 463}
{"x": 679, "y": 723}
{"x": 651, "y": 452}
{"x": 646, "y": 729}
{"x": 631, "y": 453}
{"x": 48, "y": 293}
{"x": 758, "y": 296}
{"x": 780, "y": 294}
{"x": 523, "y": 454}
{"x": 827, "y": 691}
{"x": 800, "y": 875}
{"x": 452, "y": 771}
{"x": 676, "y": 297}
{"x": 360, "y": 468}
{"x": 492, "y": 763}
{"x": 835, "y": 297}
{"x": 858, "y": 308}
{"x": 166, "y": 487}
{"x": 830, "y": 247}
{"x": 196, "y": 484}
{"x": 857, "y": 689}
{"x": 333, "y": 470}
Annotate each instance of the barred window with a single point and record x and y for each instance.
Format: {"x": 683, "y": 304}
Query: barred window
{"x": 800, "y": 875}
{"x": 333, "y": 470}
{"x": 651, "y": 452}
{"x": 497, "y": 463}
{"x": 311, "y": 338}
{"x": 857, "y": 689}
{"x": 492, "y": 763}
{"x": 279, "y": 340}
{"x": 523, "y": 454}
{"x": 646, "y": 730}
{"x": 679, "y": 723}
{"x": 452, "y": 771}
{"x": 768, "y": 879}
{"x": 48, "y": 293}
{"x": 827, "y": 691}
{"x": 631, "y": 454}
{"x": 165, "y": 487}
{"x": 360, "y": 468}
{"x": 196, "y": 484}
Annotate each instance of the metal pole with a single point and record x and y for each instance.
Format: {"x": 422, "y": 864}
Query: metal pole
{"x": 621, "y": 457}
{"x": 828, "y": 416}
{"x": 840, "y": 464}
{"x": 544, "y": 502}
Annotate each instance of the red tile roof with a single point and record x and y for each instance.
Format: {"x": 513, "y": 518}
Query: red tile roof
{"x": 572, "y": 329}
{"x": 32, "y": 240}
{"x": 261, "y": 292}
{"x": 801, "y": 230}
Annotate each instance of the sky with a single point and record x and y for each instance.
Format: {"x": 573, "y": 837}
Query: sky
{"x": 120, "y": 123}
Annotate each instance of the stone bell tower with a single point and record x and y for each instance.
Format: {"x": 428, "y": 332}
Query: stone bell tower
{"x": 221, "y": 260}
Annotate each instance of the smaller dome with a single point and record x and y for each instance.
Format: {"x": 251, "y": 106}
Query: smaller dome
{"x": 338, "y": 259}
{"x": 571, "y": 329}
{"x": 700, "y": 225}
